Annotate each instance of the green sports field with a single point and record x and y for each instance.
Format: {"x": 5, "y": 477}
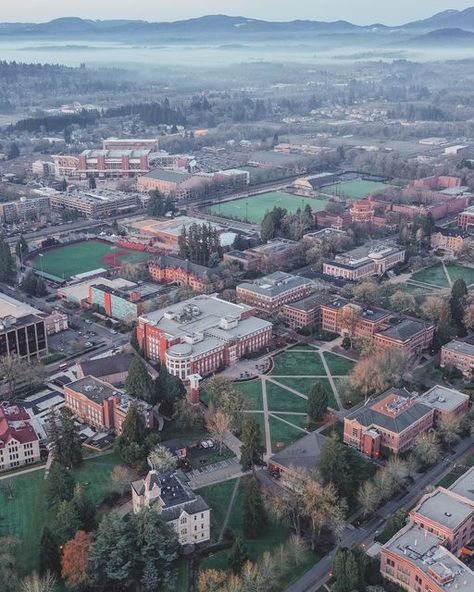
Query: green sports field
{"x": 357, "y": 189}
{"x": 253, "y": 209}
{"x": 65, "y": 261}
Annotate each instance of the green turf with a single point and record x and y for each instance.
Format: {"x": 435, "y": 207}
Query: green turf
{"x": 252, "y": 391}
{"x": 338, "y": 365}
{"x": 66, "y": 261}
{"x": 254, "y": 208}
{"x": 433, "y": 275}
{"x": 459, "y": 271}
{"x": 302, "y": 385}
{"x": 218, "y": 497}
{"x": 412, "y": 288}
{"x": 279, "y": 399}
{"x": 299, "y": 420}
{"x": 357, "y": 189}
{"x": 298, "y": 364}
{"x": 25, "y": 515}
{"x": 282, "y": 434}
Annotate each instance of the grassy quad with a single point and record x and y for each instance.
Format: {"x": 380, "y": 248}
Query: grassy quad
{"x": 294, "y": 363}
{"x": 338, "y": 366}
{"x": 459, "y": 271}
{"x": 356, "y": 189}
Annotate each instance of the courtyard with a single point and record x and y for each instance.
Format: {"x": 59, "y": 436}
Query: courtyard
{"x": 440, "y": 276}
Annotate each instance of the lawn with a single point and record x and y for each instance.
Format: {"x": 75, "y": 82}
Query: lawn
{"x": 459, "y": 271}
{"x": 356, "y": 189}
{"x": 280, "y": 399}
{"x": 282, "y": 434}
{"x": 274, "y": 534}
{"x": 218, "y": 497}
{"x": 254, "y": 208}
{"x": 433, "y": 275}
{"x": 25, "y": 515}
{"x": 252, "y": 391}
{"x": 338, "y": 365}
{"x": 294, "y": 363}
{"x": 65, "y": 261}
{"x": 302, "y": 385}
{"x": 457, "y": 472}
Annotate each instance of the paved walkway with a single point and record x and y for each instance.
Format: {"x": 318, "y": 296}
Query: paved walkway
{"x": 204, "y": 478}
{"x": 268, "y": 438}
{"x": 229, "y": 510}
{"x": 332, "y": 383}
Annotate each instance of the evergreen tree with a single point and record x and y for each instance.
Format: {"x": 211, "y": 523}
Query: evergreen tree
{"x": 50, "y": 556}
{"x": 156, "y": 205}
{"x": 169, "y": 390}
{"x": 138, "y": 382}
{"x": 131, "y": 445}
{"x": 317, "y": 402}
{"x": 268, "y": 229}
{"x": 13, "y": 151}
{"x": 33, "y": 285}
{"x": 251, "y": 449}
{"x": 255, "y": 519}
{"x": 59, "y": 484}
{"x": 67, "y": 521}
{"x": 345, "y": 571}
{"x": 7, "y": 264}
{"x": 238, "y": 556}
{"x": 21, "y": 248}
{"x": 65, "y": 438}
{"x": 134, "y": 340}
{"x": 457, "y": 302}
{"x": 63, "y": 185}
{"x": 92, "y": 182}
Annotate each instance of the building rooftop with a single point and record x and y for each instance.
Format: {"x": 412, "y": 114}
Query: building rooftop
{"x": 94, "y": 389}
{"x": 362, "y": 255}
{"x": 311, "y": 302}
{"x": 115, "y": 153}
{"x": 445, "y": 509}
{"x": 464, "y": 486}
{"x": 423, "y": 549}
{"x": 9, "y": 307}
{"x": 274, "y": 284}
{"x": 106, "y": 366}
{"x": 173, "y": 226}
{"x": 205, "y": 322}
{"x": 165, "y": 261}
{"x": 405, "y": 330}
{"x": 15, "y": 424}
{"x": 395, "y": 411}
{"x": 302, "y": 455}
{"x": 168, "y": 176}
{"x": 443, "y": 398}
{"x": 80, "y": 291}
{"x": 460, "y": 347}
{"x": 274, "y": 247}
{"x": 370, "y": 314}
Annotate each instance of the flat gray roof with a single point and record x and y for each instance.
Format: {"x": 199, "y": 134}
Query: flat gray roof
{"x": 443, "y": 398}
{"x": 94, "y": 389}
{"x": 423, "y": 549}
{"x": 460, "y": 347}
{"x": 465, "y": 485}
{"x": 445, "y": 509}
{"x": 168, "y": 176}
{"x": 274, "y": 284}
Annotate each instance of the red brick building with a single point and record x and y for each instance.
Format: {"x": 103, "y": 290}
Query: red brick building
{"x": 409, "y": 335}
{"x": 201, "y": 335}
{"x": 273, "y": 291}
{"x": 353, "y": 320}
{"x": 393, "y": 421}
{"x": 174, "y": 270}
{"x": 466, "y": 219}
{"x": 305, "y": 312}
{"x": 363, "y": 210}
{"x": 460, "y": 355}
{"x": 327, "y": 220}
{"x": 101, "y": 405}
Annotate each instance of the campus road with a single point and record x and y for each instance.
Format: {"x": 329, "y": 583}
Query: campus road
{"x": 363, "y": 535}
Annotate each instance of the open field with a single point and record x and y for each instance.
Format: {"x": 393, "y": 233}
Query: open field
{"x": 437, "y": 276}
{"x": 25, "y": 515}
{"x": 356, "y": 189}
{"x": 253, "y": 209}
{"x": 65, "y": 261}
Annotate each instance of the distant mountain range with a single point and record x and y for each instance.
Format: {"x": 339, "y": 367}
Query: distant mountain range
{"x": 452, "y": 25}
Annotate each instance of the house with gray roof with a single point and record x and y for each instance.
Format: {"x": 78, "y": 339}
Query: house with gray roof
{"x": 170, "y": 495}
{"x": 273, "y": 291}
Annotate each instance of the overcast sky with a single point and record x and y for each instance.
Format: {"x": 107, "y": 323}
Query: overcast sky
{"x": 390, "y": 12}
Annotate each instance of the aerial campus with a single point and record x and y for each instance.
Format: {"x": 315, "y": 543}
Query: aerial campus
{"x": 237, "y": 319}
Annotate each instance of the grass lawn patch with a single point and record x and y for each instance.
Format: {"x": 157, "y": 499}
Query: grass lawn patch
{"x": 253, "y": 392}
{"x": 459, "y": 271}
{"x": 189, "y": 437}
{"x": 302, "y": 385}
{"x": 356, "y": 189}
{"x": 433, "y": 371}
{"x": 81, "y": 257}
{"x": 254, "y": 208}
{"x": 282, "y": 434}
{"x": 302, "y": 347}
{"x": 218, "y": 496}
{"x": 418, "y": 290}
{"x": 433, "y": 275}
{"x": 204, "y": 457}
{"x": 279, "y": 399}
{"x": 457, "y": 472}
{"x": 298, "y": 364}
{"x": 337, "y": 364}
{"x": 299, "y": 420}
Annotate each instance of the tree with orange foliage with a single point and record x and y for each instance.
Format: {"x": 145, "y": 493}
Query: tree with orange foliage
{"x": 76, "y": 558}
